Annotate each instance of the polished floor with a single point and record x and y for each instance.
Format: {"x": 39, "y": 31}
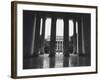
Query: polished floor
{"x": 59, "y": 61}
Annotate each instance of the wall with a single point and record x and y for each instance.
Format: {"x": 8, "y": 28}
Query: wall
{"x": 5, "y": 40}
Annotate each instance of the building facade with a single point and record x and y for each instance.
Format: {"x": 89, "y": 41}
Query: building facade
{"x": 59, "y": 43}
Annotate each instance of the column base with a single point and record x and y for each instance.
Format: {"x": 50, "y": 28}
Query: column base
{"x": 35, "y": 54}
{"x": 66, "y": 55}
{"x": 52, "y": 55}
{"x": 41, "y": 52}
{"x": 75, "y": 53}
{"x": 81, "y": 54}
{"x": 85, "y": 54}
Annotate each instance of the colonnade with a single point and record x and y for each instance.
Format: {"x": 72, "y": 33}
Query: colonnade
{"x": 78, "y": 37}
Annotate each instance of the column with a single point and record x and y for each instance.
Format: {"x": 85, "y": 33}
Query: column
{"x": 74, "y": 38}
{"x": 87, "y": 34}
{"x": 51, "y": 62}
{"x": 37, "y": 36}
{"x": 66, "y": 37}
{"x": 43, "y": 35}
{"x": 79, "y": 36}
{"x": 53, "y": 37}
{"x": 33, "y": 35}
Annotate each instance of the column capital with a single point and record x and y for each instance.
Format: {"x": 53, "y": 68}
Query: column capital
{"x": 54, "y": 18}
{"x": 65, "y": 18}
{"x": 38, "y": 15}
{"x": 74, "y": 19}
{"x": 79, "y": 18}
{"x": 44, "y": 18}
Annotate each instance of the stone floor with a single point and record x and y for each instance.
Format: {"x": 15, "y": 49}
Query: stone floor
{"x": 59, "y": 61}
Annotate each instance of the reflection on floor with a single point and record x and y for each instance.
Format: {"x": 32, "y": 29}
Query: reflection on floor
{"x": 59, "y": 61}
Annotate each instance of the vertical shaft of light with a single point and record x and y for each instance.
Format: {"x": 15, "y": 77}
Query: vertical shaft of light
{"x": 77, "y": 38}
{"x": 41, "y": 26}
{"x": 83, "y": 45}
{"x": 47, "y": 28}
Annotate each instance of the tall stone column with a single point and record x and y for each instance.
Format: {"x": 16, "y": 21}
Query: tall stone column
{"x": 66, "y": 37}
{"x": 74, "y": 38}
{"x": 53, "y": 37}
{"x": 43, "y": 35}
{"x": 80, "y": 35}
{"x": 37, "y": 36}
{"x": 87, "y": 34}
